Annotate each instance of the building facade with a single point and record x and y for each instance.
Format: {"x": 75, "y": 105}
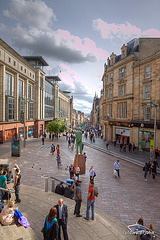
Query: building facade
{"x": 19, "y": 93}
{"x": 131, "y": 88}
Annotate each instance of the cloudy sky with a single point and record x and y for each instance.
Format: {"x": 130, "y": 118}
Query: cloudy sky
{"x": 76, "y": 37}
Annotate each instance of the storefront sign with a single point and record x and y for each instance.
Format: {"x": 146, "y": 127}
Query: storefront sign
{"x": 9, "y": 134}
{"x": 123, "y": 131}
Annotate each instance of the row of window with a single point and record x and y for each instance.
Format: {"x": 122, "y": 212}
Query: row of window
{"x": 25, "y": 70}
{"x": 121, "y": 110}
{"x": 122, "y": 91}
{"x": 9, "y": 109}
{"x": 10, "y": 87}
{"x": 122, "y": 74}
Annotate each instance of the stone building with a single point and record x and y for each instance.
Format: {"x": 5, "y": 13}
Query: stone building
{"x": 21, "y": 90}
{"x": 95, "y": 112}
{"x": 131, "y": 88}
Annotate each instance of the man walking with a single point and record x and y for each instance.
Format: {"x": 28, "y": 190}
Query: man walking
{"x": 117, "y": 167}
{"x": 17, "y": 183}
{"x": 77, "y": 198}
{"x": 90, "y": 202}
{"x": 92, "y": 173}
{"x": 62, "y": 217}
{"x": 3, "y": 183}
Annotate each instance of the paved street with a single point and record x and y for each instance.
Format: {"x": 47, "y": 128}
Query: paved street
{"x": 126, "y": 199}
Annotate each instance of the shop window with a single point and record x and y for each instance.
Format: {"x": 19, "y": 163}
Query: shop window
{"x": 125, "y": 109}
{"x": 147, "y": 92}
{"x": 147, "y": 72}
{"x": 147, "y": 113}
{"x": 110, "y": 110}
{"x": 118, "y": 110}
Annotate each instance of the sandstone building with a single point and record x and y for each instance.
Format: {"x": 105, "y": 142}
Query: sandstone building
{"x": 131, "y": 94}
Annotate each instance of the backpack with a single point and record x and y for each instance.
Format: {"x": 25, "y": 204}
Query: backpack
{"x": 95, "y": 191}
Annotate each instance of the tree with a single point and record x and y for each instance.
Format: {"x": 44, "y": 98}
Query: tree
{"x": 57, "y": 126}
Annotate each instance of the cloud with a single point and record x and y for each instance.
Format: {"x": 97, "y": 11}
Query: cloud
{"x": 35, "y": 13}
{"x": 122, "y": 31}
{"x": 60, "y": 45}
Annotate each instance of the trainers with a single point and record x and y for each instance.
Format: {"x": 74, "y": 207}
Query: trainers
{"x": 79, "y": 215}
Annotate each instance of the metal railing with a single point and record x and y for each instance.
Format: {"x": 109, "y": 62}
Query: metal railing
{"x": 138, "y": 230}
{"x": 53, "y": 180}
{"x": 6, "y": 190}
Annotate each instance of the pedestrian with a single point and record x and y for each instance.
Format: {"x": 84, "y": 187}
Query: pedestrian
{"x": 145, "y": 169}
{"x": 42, "y": 139}
{"x": 3, "y": 184}
{"x": 115, "y": 142}
{"x": 52, "y": 136}
{"x": 52, "y": 149}
{"x": 16, "y": 186}
{"x": 85, "y": 157}
{"x": 156, "y": 165}
{"x": 58, "y": 150}
{"x": 92, "y": 173}
{"x": 121, "y": 146}
{"x": 156, "y": 153}
{"x": 107, "y": 144}
{"x": 133, "y": 148}
{"x": 130, "y": 147}
{"x": 153, "y": 168}
{"x": 58, "y": 160}
{"x": 14, "y": 170}
{"x": 77, "y": 171}
{"x": 77, "y": 198}
{"x": 124, "y": 148}
{"x": 51, "y": 228}
{"x": 62, "y": 217}
{"x": 71, "y": 171}
{"x": 101, "y": 135}
{"x": 69, "y": 142}
{"x": 90, "y": 202}
{"x": 117, "y": 167}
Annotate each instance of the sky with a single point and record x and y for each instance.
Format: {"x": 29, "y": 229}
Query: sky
{"x": 76, "y": 37}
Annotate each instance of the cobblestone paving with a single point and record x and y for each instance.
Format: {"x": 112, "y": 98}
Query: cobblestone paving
{"x": 126, "y": 199}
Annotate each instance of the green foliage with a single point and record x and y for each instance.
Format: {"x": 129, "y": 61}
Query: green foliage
{"x": 56, "y": 126}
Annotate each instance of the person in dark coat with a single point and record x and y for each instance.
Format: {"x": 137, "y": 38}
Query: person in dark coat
{"x": 62, "y": 216}
{"x": 51, "y": 228}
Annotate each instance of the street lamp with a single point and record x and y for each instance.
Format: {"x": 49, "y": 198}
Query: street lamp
{"x": 155, "y": 121}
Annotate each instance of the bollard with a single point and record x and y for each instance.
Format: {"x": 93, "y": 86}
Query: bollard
{"x": 46, "y": 184}
{"x": 53, "y": 185}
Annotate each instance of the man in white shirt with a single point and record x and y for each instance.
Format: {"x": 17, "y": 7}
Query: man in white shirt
{"x": 117, "y": 167}
{"x": 92, "y": 173}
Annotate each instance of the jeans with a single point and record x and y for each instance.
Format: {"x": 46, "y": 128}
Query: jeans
{"x": 77, "y": 207}
{"x": 90, "y": 203}
{"x": 17, "y": 188}
{"x": 2, "y": 193}
{"x": 145, "y": 174}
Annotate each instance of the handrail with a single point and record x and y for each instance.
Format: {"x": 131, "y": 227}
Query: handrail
{"x": 45, "y": 176}
{"x": 145, "y": 230}
{"x": 6, "y": 190}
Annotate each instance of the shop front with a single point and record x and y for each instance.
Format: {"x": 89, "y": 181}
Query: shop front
{"x": 122, "y": 135}
{"x": 21, "y": 133}
{"x": 1, "y": 136}
{"x": 9, "y": 134}
{"x": 145, "y": 139}
{"x": 30, "y": 131}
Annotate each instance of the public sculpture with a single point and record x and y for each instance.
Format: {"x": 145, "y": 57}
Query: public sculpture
{"x": 78, "y": 134}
